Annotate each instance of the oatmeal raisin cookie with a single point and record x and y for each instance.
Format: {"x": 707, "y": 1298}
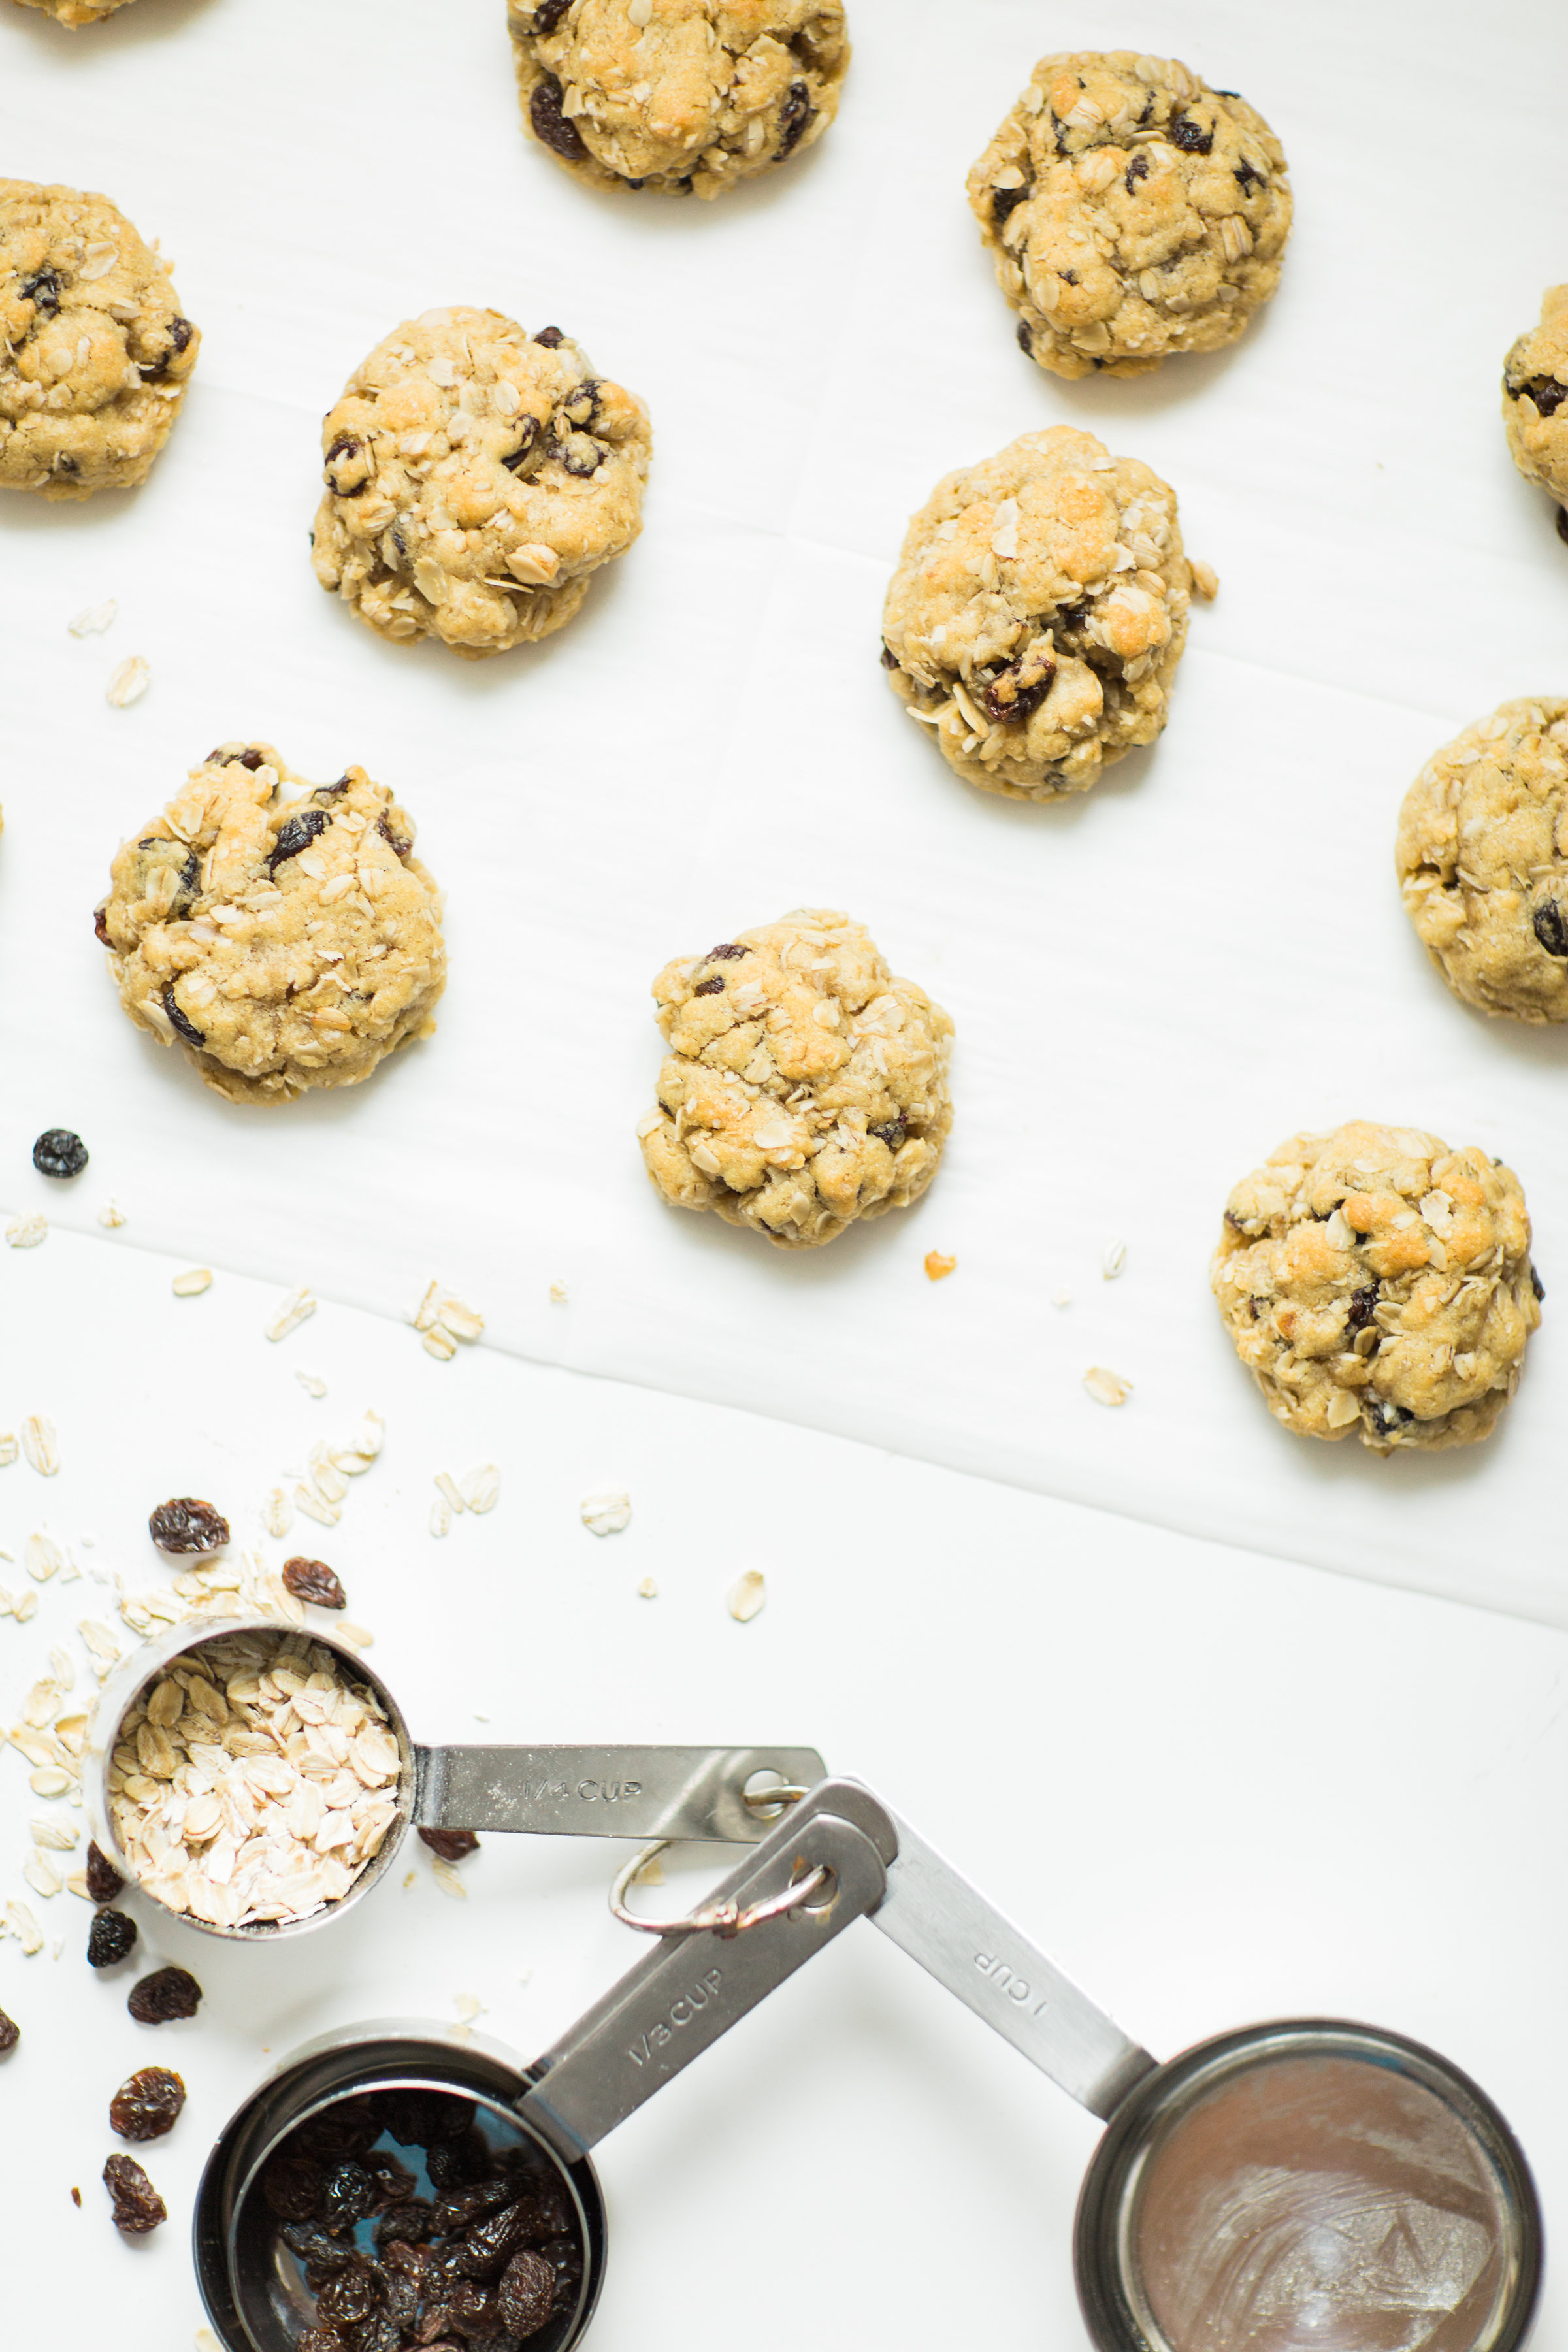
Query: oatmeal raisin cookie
{"x": 680, "y": 96}
{"x": 76, "y": 12}
{"x": 1131, "y": 211}
{"x": 1037, "y": 615}
{"x": 95, "y": 352}
{"x": 1483, "y": 856}
{"x": 477, "y": 478}
{"x": 1535, "y": 400}
{"x": 286, "y": 942}
{"x": 805, "y": 1086}
{"x": 1374, "y": 1280}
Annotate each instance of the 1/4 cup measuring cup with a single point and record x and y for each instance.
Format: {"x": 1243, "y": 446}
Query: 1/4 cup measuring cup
{"x": 1308, "y": 2186}
{"x": 726, "y": 1795}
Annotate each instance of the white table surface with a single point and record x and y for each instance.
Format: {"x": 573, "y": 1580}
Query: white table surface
{"x": 1219, "y": 1785}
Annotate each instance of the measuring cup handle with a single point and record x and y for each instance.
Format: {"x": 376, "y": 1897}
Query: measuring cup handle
{"x": 947, "y": 1925}
{"x": 691, "y": 1990}
{"x": 625, "y": 1792}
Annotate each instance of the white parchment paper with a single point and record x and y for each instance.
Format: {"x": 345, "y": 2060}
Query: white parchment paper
{"x": 1153, "y": 986}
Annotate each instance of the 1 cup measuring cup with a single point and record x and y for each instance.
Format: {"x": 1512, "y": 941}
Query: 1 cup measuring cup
{"x": 283, "y": 1811}
{"x": 1309, "y": 2183}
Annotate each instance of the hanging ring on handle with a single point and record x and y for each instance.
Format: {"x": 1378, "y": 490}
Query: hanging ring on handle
{"x": 725, "y": 1918}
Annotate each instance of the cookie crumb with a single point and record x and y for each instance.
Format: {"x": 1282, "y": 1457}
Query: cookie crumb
{"x": 1106, "y": 1386}
{"x": 26, "y": 1232}
{"x": 747, "y": 1596}
{"x": 938, "y": 1267}
{"x": 130, "y": 682}
{"x": 193, "y": 1281}
{"x": 605, "y": 1511}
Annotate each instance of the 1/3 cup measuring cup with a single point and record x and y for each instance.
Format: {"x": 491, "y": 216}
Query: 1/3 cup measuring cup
{"x": 1308, "y": 2186}
{"x": 726, "y": 1795}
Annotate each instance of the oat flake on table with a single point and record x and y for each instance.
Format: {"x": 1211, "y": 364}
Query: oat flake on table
{"x": 605, "y": 1512}
{"x": 747, "y": 1596}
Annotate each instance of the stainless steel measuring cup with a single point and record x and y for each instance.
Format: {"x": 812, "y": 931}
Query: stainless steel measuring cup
{"x": 1404, "y": 2216}
{"x": 718, "y": 1794}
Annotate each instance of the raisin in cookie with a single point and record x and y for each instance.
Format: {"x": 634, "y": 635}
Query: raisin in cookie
{"x": 1037, "y": 615}
{"x": 677, "y": 95}
{"x": 1482, "y": 854}
{"x": 76, "y": 12}
{"x": 1374, "y": 1280}
{"x": 290, "y": 943}
{"x": 1535, "y": 400}
{"x": 94, "y": 350}
{"x": 805, "y": 1086}
{"x": 1131, "y": 211}
{"x": 475, "y": 478}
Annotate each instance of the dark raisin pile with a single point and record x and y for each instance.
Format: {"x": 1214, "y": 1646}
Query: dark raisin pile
{"x": 103, "y": 1880}
{"x": 147, "y": 2105}
{"x": 138, "y": 2207}
{"x": 186, "y": 1523}
{"x": 110, "y": 1938}
{"x": 485, "y": 2253}
{"x": 312, "y": 1579}
{"x": 166, "y": 1994}
{"x": 10, "y": 2032}
{"x": 450, "y": 1844}
{"x": 59, "y": 1152}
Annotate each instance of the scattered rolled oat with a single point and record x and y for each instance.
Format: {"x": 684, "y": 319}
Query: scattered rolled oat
{"x": 1061, "y": 1298}
{"x": 648, "y": 1589}
{"x": 93, "y": 619}
{"x": 358, "y": 1637}
{"x": 1113, "y": 1261}
{"x": 27, "y": 1231}
{"x": 447, "y": 1880}
{"x": 42, "y": 1556}
{"x": 440, "y": 1516}
{"x": 277, "y": 1512}
{"x": 1206, "y": 579}
{"x": 1106, "y": 1386}
{"x": 311, "y": 1382}
{"x": 557, "y": 1293}
{"x": 444, "y": 1319}
{"x": 254, "y": 1780}
{"x": 481, "y": 1487}
{"x": 58, "y": 1836}
{"x": 747, "y": 1595}
{"x": 450, "y": 1492}
{"x": 438, "y": 1342}
{"x": 193, "y": 1281}
{"x": 112, "y": 1214}
{"x": 937, "y": 1266}
{"x": 41, "y": 1875}
{"x": 40, "y": 1445}
{"x": 291, "y": 1311}
{"x": 605, "y": 1512}
{"x": 9, "y": 1449}
{"x": 20, "y": 1923}
{"x": 129, "y": 681}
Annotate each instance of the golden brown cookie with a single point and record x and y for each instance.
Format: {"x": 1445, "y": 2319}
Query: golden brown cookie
{"x": 287, "y": 943}
{"x": 1482, "y": 854}
{"x": 1036, "y": 619}
{"x": 804, "y": 1086}
{"x": 1375, "y": 1281}
{"x": 95, "y": 352}
{"x": 1131, "y": 211}
{"x": 1535, "y": 400}
{"x": 680, "y": 96}
{"x": 76, "y": 12}
{"x": 477, "y": 478}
